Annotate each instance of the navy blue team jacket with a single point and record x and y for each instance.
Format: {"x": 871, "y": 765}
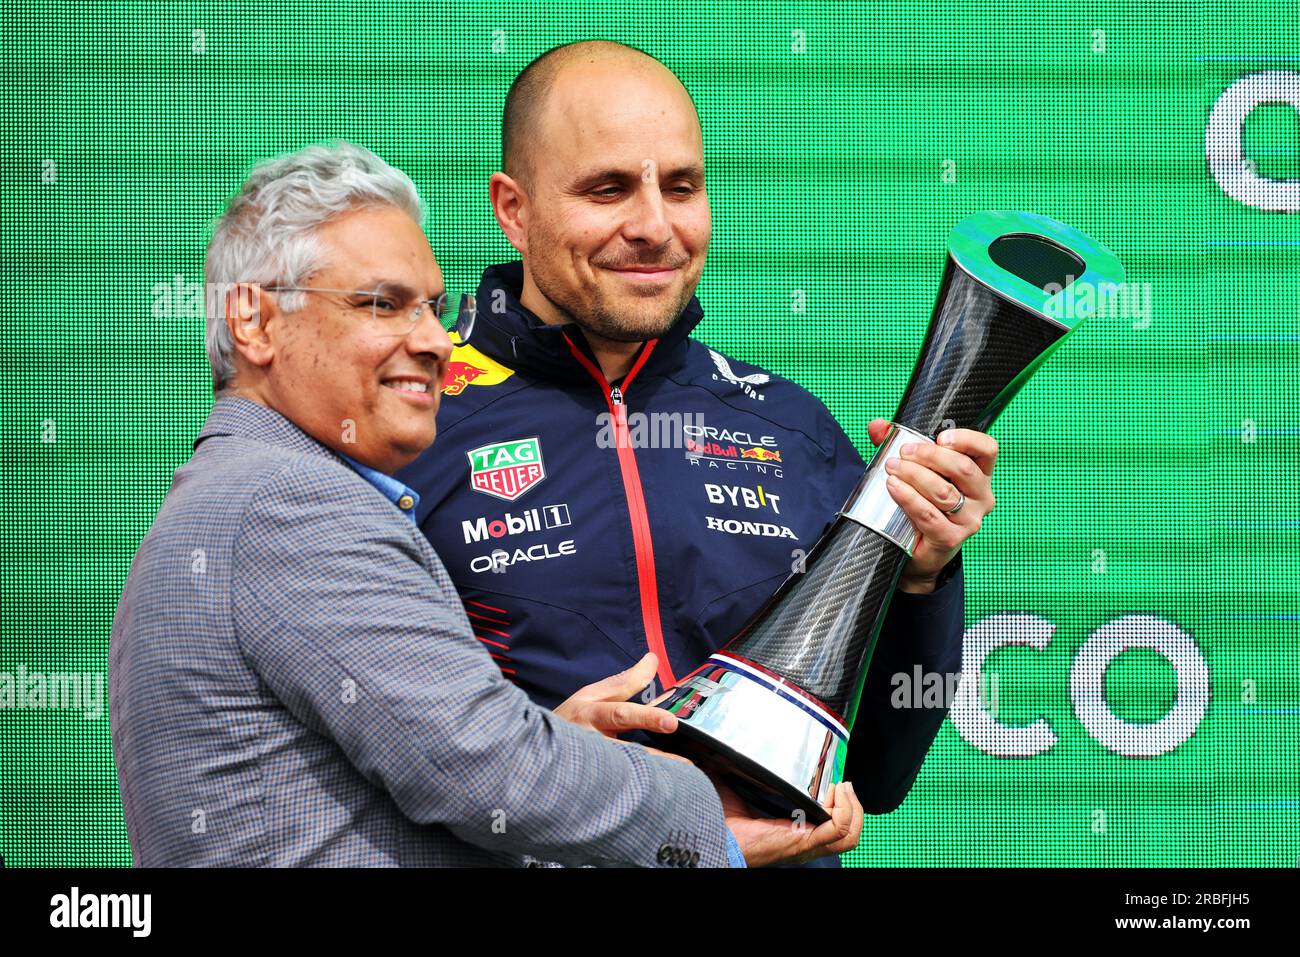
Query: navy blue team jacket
{"x": 574, "y": 556}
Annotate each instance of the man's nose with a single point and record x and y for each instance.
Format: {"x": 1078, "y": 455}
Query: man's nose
{"x": 648, "y": 220}
{"x": 429, "y": 336}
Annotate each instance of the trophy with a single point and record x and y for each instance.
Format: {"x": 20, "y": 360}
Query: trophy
{"x": 772, "y": 709}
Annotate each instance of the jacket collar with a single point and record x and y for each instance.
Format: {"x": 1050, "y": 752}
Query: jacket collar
{"x": 233, "y": 415}
{"x": 511, "y": 334}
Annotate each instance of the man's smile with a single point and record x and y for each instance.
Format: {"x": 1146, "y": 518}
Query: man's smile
{"x": 415, "y": 389}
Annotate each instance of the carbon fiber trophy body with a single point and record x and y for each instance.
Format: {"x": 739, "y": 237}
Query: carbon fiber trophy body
{"x": 773, "y": 707}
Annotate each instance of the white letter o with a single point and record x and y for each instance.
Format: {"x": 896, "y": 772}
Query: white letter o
{"x": 1087, "y": 689}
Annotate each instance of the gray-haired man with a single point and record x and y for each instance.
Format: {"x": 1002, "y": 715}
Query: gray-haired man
{"x": 293, "y": 680}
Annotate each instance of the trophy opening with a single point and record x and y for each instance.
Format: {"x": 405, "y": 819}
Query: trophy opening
{"x": 1036, "y": 260}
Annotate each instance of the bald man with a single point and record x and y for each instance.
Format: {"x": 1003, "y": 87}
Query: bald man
{"x": 621, "y": 488}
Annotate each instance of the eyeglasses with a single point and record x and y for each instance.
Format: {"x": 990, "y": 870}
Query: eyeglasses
{"x": 392, "y": 310}
{"x": 465, "y": 316}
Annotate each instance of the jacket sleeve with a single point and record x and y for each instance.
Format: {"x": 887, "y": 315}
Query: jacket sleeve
{"x": 888, "y": 744}
{"x": 366, "y": 645}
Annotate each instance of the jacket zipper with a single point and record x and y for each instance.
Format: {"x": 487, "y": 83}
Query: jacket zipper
{"x": 647, "y": 583}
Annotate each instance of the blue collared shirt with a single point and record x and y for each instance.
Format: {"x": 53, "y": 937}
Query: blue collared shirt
{"x": 404, "y": 497}
{"x": 734, "y": 856}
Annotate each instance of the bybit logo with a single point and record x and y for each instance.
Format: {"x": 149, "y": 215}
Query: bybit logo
{"x": 742, "y": 497}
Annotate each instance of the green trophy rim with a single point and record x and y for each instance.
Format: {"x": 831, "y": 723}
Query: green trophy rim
{"x": 969, "y": 247}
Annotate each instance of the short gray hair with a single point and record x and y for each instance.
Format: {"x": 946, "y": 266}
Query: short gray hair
{"x": 267, "y": 233}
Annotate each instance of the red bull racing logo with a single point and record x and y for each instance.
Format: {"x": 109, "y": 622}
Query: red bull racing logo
{"x": 459, "y": 375}
{"x": 469, "y": 367}
{"x": 733, "y": 450}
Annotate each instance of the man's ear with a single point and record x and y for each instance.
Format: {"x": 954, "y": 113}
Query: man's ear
{"x": 510, "y": 206}
{"x": 249, "y": 314}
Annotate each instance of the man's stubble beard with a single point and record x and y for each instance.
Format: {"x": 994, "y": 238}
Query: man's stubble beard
{"x": 598, "y": 317}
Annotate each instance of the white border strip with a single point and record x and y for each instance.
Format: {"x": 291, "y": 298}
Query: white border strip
{"x": 806, "y": 703}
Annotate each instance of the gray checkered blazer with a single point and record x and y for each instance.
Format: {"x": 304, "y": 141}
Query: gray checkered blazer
{"x": 293, "y": 681}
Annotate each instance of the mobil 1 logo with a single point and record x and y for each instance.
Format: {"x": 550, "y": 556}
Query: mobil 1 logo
{"x": 538, "y": 519}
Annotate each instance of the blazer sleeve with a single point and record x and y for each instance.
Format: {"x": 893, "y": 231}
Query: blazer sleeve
{"x": 888, "y": 744}
{"x": 365, "y": 644}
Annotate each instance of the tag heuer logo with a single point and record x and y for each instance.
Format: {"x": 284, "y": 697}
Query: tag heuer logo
{"x": 506, "y": 470}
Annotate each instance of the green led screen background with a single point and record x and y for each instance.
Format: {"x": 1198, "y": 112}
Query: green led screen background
{"x": 1147, "y": 470}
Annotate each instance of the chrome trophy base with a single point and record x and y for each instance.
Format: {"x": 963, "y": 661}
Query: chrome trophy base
{"x": 786, "y": 749}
